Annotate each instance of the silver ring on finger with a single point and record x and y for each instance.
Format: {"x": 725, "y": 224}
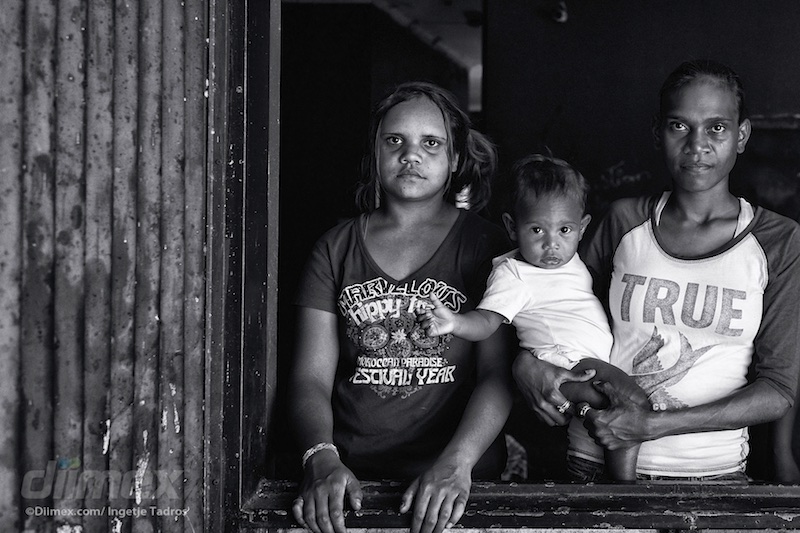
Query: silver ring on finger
{"x": 564, "y": 406}
{"x": 583, "y": 410}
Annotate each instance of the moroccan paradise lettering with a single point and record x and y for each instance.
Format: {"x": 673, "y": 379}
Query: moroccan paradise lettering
{"x": 390, "y": 362}
{"x": 661, "y": 296}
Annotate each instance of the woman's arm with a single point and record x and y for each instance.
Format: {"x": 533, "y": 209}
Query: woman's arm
{"x": 440, "y": 495}
{"x": 326, "y": 480}
{"x": 624, "y": 422}
{"x": 787, "y": 467}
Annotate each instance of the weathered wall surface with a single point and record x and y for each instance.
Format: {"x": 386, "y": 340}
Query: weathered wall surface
{"x": 102, "y": 201}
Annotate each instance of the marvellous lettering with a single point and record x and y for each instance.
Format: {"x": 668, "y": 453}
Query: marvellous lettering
{"x": 378, "y": 299}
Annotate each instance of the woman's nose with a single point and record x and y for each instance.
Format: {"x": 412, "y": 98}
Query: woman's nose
{"x": 410, "y": 153}
{"x": 696, "y": 142}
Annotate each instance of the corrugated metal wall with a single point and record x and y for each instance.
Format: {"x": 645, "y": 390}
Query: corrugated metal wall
{"x": 102, "y": 233}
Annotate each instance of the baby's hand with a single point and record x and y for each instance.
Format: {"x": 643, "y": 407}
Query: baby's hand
{"x": 437, "y": 321}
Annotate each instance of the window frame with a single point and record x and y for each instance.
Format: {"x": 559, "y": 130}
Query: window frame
{"x": 242, "y": 214}
{"x": 241, "y": 347}
{"x": 650, "y": 505}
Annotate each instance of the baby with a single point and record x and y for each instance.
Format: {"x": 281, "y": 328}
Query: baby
{"x": 545, "y": 291}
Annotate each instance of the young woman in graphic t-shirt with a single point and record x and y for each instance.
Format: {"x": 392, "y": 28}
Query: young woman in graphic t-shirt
{"x": 372, "y": 395}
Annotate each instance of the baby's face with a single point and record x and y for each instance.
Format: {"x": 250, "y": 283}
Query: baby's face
{"x": 547, "y": 229}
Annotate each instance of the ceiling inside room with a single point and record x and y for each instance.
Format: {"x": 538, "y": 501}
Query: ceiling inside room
{"x": 454, "y": 24}
{"x": 451, "y": 26}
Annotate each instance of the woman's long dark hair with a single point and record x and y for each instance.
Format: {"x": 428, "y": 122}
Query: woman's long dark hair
{"x": 477, "y": 155}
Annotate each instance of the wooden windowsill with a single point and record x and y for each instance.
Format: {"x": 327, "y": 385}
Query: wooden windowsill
{"x": 658, "y": 505}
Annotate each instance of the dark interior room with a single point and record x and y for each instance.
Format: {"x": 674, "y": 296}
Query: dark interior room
{"x": 578, "y": 79}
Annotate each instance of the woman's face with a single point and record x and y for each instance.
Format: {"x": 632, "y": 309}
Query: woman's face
{"x": 411, "y": 151}
{"x": 701, "y": 135}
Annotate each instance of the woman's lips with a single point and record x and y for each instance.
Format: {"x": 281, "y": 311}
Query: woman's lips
{"x": 696, "y": 167}
{"x": 409, "y": 174}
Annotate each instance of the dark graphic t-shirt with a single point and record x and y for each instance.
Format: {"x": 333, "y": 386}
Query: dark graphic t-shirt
{"x": 399, "y": 394}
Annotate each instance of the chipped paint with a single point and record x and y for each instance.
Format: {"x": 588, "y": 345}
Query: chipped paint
{"x": 141, "y": 470}
{"x": 67, "y": 528}
{"x": 107, "y": 437}
{"x": 177, "y": 418}
{"x": 689, "y": 518}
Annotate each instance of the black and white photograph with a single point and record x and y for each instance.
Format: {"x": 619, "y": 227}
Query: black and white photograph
{"x": 337, "y": 266}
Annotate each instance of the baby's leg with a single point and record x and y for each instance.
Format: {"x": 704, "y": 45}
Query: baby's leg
{"x": 621, "y": 463}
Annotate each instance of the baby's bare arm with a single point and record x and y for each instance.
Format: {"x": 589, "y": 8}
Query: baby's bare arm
{"x": 475, "y": 325}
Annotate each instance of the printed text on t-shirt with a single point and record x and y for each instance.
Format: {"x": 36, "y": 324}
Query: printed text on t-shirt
{"x": 396, "y": 356}
{"x": 662, "y": 294}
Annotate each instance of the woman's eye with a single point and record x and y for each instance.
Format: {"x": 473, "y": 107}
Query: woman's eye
{"x": 393, "y": 140}
{"x": 432, "y": 143}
